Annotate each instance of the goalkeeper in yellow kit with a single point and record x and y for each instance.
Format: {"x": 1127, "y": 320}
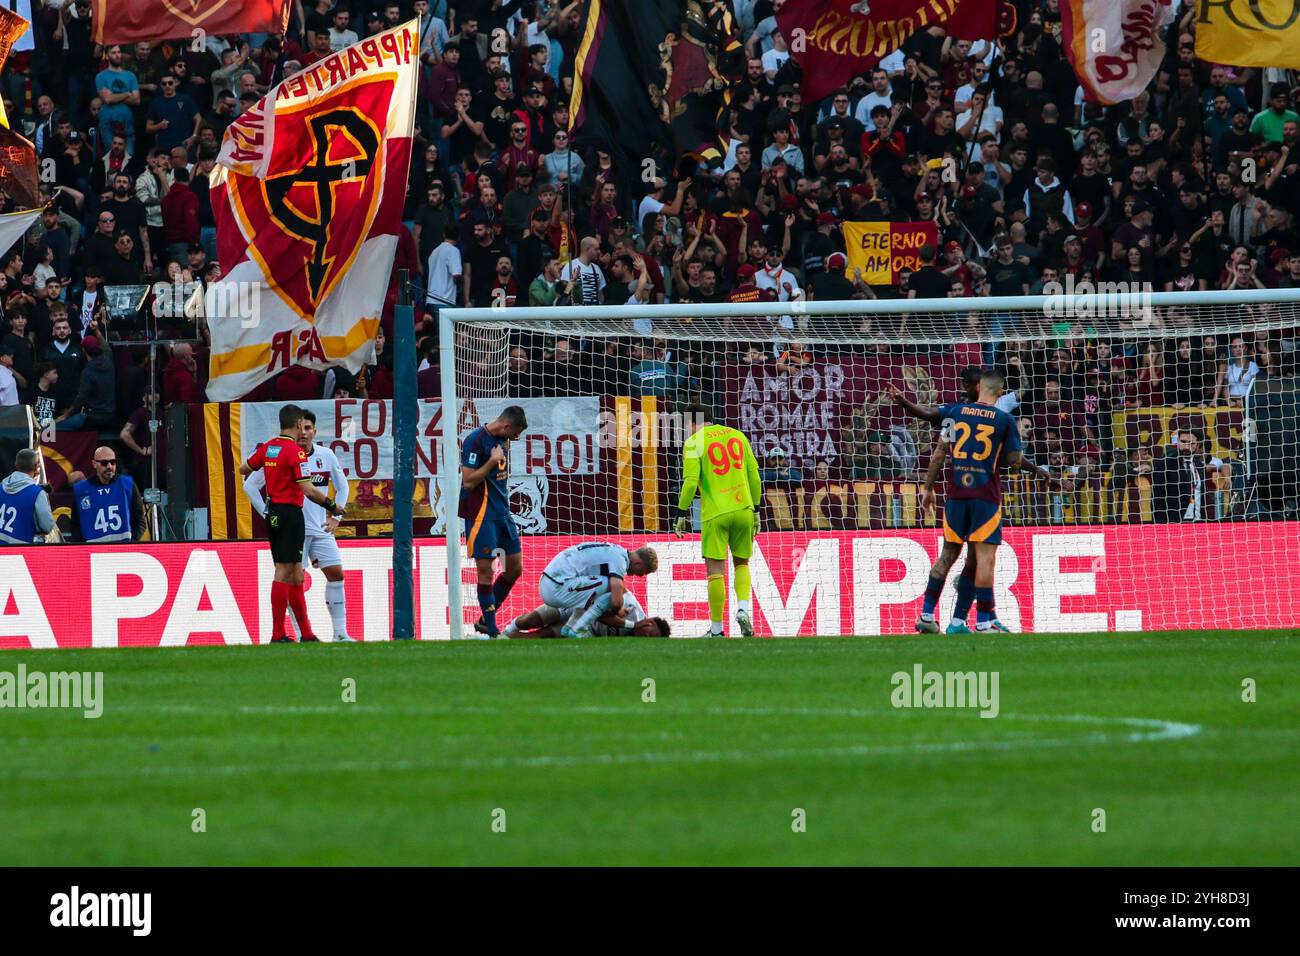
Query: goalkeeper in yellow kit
{"x": 720, "y": 462}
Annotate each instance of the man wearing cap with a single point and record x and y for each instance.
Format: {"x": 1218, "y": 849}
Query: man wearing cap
{"x": 857, "y": 199}
{"x": 841, "y": 114}
{"x": 956, "y": 266}
{"x": 533, "y": 112}
{"x": 821, "y": 243}
{"x": 519, "y": 203}
{"x": 1268, "y": 123}
{"x": 518, "y": 154}
{"x": 831, "y": 284}
{"x": 746, "y": 291}
{"x": 95, "y": 404}
{"x": 1075, "y": 263}
{"x": 1138, "y": 232}
{"x": 976, "y": 214}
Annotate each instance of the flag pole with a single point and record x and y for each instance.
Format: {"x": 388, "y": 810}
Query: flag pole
{"x": 406, "y": 417}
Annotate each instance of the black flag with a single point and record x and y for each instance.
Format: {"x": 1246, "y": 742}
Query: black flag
{"x": 653, "y": 78}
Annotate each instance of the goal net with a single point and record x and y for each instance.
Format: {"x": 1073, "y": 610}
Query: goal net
{"x": 1165, "y": 422}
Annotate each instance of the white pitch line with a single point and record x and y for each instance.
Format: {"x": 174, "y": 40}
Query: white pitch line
{"x": 1149, "y": 729}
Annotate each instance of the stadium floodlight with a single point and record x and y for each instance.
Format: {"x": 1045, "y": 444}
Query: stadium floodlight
{"x": 1130, "y": 532}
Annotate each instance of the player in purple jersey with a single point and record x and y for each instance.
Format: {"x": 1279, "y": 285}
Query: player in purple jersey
{"x": 485, "y": 505}
{"x": 979, "y": 441}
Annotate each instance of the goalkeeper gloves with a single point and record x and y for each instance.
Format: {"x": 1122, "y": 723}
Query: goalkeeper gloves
{"x": 682, "y": 526}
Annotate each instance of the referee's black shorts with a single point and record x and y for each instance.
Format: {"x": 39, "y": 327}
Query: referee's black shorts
{"x": 288, "y": 533}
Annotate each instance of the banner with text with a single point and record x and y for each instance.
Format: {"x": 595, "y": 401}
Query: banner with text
{"x": 883, "y": 249}
{"x": 804, "y": 583}
{"x": 1248, "y": 32}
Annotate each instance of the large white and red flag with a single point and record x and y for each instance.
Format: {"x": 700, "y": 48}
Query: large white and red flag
{"x": 307, "y": 195}
{"x": 1115, "y": 46}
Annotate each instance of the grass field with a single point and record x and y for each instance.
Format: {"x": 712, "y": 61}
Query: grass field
{"x": 1150, "y": 728}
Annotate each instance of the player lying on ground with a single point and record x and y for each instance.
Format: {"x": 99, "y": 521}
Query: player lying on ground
{"x": 545, "y": 621}
{"x": 578, "y": 576}
{"x": 320, "y": 546}
{"x": 978, "y": 440}
{"x": 719, "y": 461}
{"x": 485, "y": 505}
{"x": 287, "y": 485}
{"x": 970, "y": 386}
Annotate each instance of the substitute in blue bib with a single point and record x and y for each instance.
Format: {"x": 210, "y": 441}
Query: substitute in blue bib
{"x": 25, "y": 514}
{"x": 108, "y": 505}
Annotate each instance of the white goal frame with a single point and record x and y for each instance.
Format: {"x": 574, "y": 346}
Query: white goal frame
{"x": 543, "y": 319}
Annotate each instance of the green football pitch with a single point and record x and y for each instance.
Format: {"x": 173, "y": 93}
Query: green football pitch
{"x": 1106, "y": 749}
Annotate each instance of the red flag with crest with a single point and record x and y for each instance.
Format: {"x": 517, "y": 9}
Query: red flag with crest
{"x": 130, "y": 21}
{"x": 307, "y": 195}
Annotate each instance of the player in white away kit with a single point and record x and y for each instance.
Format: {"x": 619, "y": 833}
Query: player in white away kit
{"x": 546, "y": 621}
{"x": 581, "y": 578}
{"x": 320, "y": 547}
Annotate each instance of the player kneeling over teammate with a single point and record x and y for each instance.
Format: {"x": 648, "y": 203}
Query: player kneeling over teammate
{"x": 719, "y": 461}
{"x": 320, "y": 546}
{"x": 979, "y": 440}
{"x": 588, "y": 579}
{"x": 485, "y": 504}
{"x": 287, "y": 484}
{"x": 547, "y": 621}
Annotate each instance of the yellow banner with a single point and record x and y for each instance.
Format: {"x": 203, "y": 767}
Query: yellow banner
{"x": 882, "y": 249}
{"x": 1155, "y": 426}
{"x": 1249, "y": 32}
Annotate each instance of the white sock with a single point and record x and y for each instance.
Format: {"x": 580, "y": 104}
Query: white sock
{"x": 512, "y": 627}
{"x": 745, "y": 606}
{"x": 335, "y": 601}
{"x": 984, "y": 626}
{"x": 927, "y": 616}
{"x": 715, "y": 627}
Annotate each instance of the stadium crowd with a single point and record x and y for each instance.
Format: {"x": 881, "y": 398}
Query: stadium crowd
{"x": 1192, "y": 185}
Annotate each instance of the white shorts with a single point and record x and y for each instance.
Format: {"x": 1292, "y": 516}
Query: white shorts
{"x": 321, "y": 551}
{"x": 571, "y": 593}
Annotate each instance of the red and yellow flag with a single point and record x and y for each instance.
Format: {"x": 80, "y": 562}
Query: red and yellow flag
{"x": 307, "y": 195}
{"x": 130, "y": 21}
{"x": 1115, "y": 46}
{"x": 835, "y": 40}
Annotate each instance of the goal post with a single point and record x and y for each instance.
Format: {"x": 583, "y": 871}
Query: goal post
{"x": 1104, "y": 381}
